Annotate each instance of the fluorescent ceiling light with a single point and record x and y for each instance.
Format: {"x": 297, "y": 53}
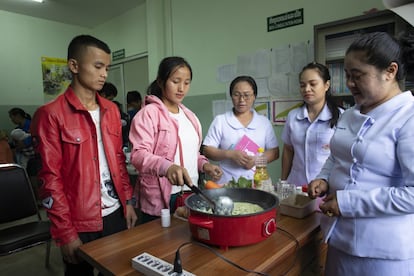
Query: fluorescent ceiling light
{"x": 39, "y": 1}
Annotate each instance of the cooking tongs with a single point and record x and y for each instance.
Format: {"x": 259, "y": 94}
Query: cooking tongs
{"x": 222, "y": 206}
{"x": 197, "y": 191}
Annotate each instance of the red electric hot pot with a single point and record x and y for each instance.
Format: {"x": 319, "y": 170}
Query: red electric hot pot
{"x": 235, "y": 230}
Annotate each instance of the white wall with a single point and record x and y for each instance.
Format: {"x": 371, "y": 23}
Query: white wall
{"x": 128, "y": 31}
{"x": 24, "y": 40}
{"x": 212, "y": 33}
{"x": 207, "y": 33}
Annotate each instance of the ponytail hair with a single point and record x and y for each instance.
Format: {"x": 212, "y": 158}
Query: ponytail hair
{"x": 323, "y": 72}
{"x": 166, "y": 68}
{"x": 381, "y": 49}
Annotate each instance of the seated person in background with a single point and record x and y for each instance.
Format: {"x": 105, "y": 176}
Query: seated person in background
{"x": 22, "y": 146}
{"x": 227, "y": 130}
{"x": 134, "y": 102}
{"x": 22, "y": 153}
{"x": 6, "y": 154}
{"x": 26, "y": 157}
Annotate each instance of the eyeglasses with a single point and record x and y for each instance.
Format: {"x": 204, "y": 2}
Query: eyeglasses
{"x": 242, "y": 96}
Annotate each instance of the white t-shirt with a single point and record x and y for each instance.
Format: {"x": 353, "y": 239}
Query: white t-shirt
{"x": 109, "y": 198}
{"x": 190, "y": 149}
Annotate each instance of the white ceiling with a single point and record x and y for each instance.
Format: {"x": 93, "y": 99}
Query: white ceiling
{"x": 86, "y": 13}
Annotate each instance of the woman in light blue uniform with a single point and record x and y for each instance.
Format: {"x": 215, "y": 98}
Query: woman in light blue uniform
{"x": 309, "y": 128}
{"x": 369, "y": 176}
{"x": 227, "y": 130}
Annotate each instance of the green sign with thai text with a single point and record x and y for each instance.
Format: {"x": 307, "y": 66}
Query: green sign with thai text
{"x": 120, "y": 54}
{"x": 285, "y": 20}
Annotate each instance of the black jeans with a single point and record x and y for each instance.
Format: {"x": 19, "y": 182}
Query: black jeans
{"x": 112, "y": 223}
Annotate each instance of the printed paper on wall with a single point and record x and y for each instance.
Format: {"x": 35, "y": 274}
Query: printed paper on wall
{"x": 56, "y": 77}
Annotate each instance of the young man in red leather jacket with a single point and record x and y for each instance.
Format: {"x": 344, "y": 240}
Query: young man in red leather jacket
{"x": 85, "y": 185}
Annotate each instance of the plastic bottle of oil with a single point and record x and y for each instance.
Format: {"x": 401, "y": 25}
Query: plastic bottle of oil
{"x": 261, "y": 178}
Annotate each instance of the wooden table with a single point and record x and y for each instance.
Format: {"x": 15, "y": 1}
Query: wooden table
{"x": 112, "y": 255}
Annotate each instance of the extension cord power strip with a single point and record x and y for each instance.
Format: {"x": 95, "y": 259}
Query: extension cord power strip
{"x": 153, "y": 266}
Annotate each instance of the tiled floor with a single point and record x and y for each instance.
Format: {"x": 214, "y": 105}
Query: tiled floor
{"x": 32, "y": 261}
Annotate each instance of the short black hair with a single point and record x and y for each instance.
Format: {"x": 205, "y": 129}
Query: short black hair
{"x": 108, "y": 89}
{"x": 133, "y": 96}
{"x": 80, "y": 42}
{"x": 247, "y": 79}
{"x": 18, "y": 111}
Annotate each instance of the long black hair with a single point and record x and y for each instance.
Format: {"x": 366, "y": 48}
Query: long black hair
{"x": 167, "y": 67}
{"x": 323, "y": 72}
{"x": 381, "y": 49}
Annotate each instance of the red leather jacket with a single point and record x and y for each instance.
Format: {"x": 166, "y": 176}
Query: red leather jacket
{"x": 65, "y": 136}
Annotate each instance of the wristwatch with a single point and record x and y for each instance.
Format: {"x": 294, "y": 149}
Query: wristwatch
{"x": 131, "y": 201}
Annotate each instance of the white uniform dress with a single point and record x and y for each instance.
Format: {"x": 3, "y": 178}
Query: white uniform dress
{"x": 226, "y": 131}
{"x": 310, "y": 142}
{"x": 371, "y": 170}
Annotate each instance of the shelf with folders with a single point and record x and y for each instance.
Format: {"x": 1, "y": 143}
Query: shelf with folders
{"x": 338, "y": 80}
{"x": 339, "y": 90}
{"x": 333, "y": 38}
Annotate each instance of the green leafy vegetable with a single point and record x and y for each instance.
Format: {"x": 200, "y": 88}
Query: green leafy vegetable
{"x": 242, "y": 182}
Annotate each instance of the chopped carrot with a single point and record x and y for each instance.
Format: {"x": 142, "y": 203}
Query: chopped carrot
{"x": 209, "y": 184}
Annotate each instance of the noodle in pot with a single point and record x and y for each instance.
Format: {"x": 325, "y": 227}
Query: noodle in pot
{"x": 244, "y": 208}
{"x": 240, "y": 208}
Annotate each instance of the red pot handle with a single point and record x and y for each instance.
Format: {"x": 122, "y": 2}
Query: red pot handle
{"x": 201, "y": 222}
{"x": 269, "y": 227}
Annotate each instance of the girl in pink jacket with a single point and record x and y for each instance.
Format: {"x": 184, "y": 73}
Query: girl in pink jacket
{"x": 166, "y": 138}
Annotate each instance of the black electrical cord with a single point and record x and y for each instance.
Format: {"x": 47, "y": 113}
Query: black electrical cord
{"x": 179, "y": 269}
{"x": 296, "y": 248}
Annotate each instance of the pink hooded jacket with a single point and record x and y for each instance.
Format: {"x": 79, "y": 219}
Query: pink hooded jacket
{"x": 154, "y": 138}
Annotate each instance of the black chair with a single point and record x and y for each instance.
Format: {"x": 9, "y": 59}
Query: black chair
{"x": 18, "y": 209}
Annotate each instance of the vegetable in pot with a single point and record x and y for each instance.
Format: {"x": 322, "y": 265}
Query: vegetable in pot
{"x": 209, "y": 184}
{"x": 242, "y": 182}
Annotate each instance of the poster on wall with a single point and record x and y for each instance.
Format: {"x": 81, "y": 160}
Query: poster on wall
{"x": 56, "y": 77}
{"x": 262, "y": 106}
{"x": 281, "y": 109}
